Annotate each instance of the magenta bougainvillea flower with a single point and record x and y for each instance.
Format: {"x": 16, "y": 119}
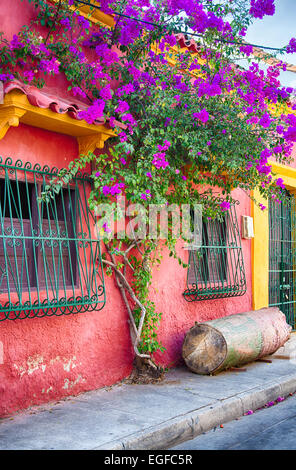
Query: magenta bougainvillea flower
{"x": 260, "y": 8}
{"x": 202, "y": 115}
{"x": 122, "y": 107}
{"x": 95, "y": 111}
{"x": 270, "y": 403}
{"x": 280, "y": 183}
{"x": 291, "y": 48}
{"x": 225, "y": 205}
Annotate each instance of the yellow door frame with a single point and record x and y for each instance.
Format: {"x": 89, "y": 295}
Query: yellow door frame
{"x": 260, "y": 243}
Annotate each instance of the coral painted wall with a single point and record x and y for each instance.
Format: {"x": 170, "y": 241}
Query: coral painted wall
{"x": 49, "y": 358}
{"x": 169, "y": 282}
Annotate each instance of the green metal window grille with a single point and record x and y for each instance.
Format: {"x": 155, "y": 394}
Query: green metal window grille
{"x": 50, "y": 260}
{"x": 216, "y": 269}
{"x": 282, "y": 257}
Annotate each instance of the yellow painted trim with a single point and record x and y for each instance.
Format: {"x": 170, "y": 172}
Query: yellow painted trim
{"x": 260, "y": 254}
{"x": 16, "y": 108}
{"x": 94, "y": 15}
{"x": 286, "y": 172}
{"x": 172, "y": 60}
{"x": 260, "y": 243}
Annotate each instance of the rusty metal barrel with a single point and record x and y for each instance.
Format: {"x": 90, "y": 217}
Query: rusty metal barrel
{"x": 232, "y": 341}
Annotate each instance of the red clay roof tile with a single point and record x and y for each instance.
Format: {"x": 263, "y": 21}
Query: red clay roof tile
{"x": 46, "y": 100}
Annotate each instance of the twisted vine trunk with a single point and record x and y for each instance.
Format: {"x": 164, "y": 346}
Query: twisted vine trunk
{"x": 145, "y": 370}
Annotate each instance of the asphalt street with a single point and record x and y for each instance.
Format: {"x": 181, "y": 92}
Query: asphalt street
{"x": 272, "y": 428}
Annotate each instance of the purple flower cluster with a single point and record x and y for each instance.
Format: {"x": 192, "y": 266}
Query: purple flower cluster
{"x": 260, "y": 8}
{"x": 122, "y": 107}
{"x": 247, "y": 49}
{"x": 29, "y": 75}
{"x": 146, "y": 195}
{"x": 125, "y": 90}
{"x": 209, "y": 89}
{"x": 106, "y": 55}
{"x": 84, "y": 23}
{"x": 291, "y": 48}
{"x": 225, "y": 206}
{"x": 49, "y": 66}
{"x": 15, "y": 43}
{"x": 129, "y": 120}
{"x": 262, "y": 166}
{"x": 265, "y": 120}
{"x": 66, "y": 23}
{"x": 5, "y": 77}
{"x": 78, "y": 92}
{"x": 159, "y": 160}
{"x": 94, "y": 112}
{"x": 114, "y": 190}
{"x": 202, "y": 115}
{"x": 105, "y": 93}
{"x": 280, "y": 183}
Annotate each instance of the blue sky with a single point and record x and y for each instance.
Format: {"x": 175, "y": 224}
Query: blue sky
{"x": 276, "y": 31}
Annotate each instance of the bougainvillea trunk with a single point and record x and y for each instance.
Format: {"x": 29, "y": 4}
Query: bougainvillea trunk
{"x": 235, "y": 340}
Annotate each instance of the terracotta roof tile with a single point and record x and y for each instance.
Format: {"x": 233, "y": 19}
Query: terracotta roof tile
{"x": 184, "y": 41}
{"x": 46, "y": 100}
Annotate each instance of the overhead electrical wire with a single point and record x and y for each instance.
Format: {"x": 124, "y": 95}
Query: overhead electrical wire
{"x": 236, "y": 43}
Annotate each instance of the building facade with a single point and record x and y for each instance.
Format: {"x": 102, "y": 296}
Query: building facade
{"x": 63, "y": 327}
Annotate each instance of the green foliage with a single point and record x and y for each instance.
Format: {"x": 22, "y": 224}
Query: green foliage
{"x": 203, "y": 158}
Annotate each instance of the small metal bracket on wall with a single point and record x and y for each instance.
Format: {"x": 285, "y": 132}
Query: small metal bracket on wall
{"x": 247, "y": 227}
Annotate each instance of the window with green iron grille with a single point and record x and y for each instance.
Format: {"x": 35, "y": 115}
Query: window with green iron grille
{"x": 50, "y": 260}
{"x": 282, "y": 257}
{"x": 216, "y": 269}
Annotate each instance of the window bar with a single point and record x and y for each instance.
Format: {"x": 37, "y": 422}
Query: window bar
{"x": 40, "y": 236}
{"x": 53, "y": 252}
{"x": 23, "y": 242}
{"x": 73, "y": 279}
{"x": 220, "y": 271}
{"x": 231, "y": 241}
{"x": 219, "y": 253}
{"x": 13, "y": 241}
{"x": 35, "y": 276}
{"x": 4, "y": 243}
{"x": 93, "y": 259}
{"x": 51, "y": 208}
{"x": 81, "y": 244}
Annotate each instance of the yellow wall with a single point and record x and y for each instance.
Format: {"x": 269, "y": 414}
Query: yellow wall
{"x": 260, "y": 245}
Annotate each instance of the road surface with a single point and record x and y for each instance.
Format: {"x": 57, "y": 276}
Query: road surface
{"x": 272, "y": 428}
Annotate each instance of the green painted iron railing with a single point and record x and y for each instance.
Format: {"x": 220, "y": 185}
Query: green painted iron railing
{"x": 282, "y": 257}
{"x": 50, "y": 260}
{"x": 216, "y": 269}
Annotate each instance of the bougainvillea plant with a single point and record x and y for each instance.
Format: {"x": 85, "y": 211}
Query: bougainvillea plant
{"x": 194, "y": 124}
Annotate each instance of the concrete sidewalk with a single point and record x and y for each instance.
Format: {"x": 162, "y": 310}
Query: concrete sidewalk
{"x": 149, "y": 416}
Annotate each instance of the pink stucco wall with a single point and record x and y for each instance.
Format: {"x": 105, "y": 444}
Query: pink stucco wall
{"x": 169, "y": 282}
{"x": 49, "y": 358}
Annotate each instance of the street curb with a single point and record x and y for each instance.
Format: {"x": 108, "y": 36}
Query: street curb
{"x": 188, "y": 426}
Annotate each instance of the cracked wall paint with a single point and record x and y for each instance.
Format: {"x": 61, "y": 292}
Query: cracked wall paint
{"x": 70, "y": 364}
{"x": 32, "y": 365}
{"x": 71, "y": 383}
{"x": 36, "y": 363}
